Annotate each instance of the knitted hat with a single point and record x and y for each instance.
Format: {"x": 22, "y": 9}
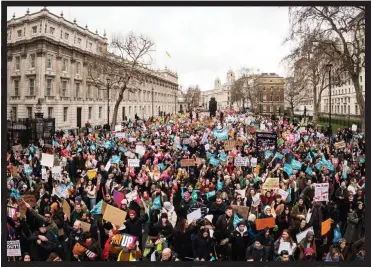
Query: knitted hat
{"x": 187, "y": 196}
{"x": 308, "y": 251}
{"x": 260, "y": 239}
{"x": 241, "y": 223}
{"x": 132, "y": 212}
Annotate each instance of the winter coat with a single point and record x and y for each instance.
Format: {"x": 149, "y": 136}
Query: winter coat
{"x": 224, "y": 227}
{"x": 217, "y": 210}
{"x": 134, "y": 227}
{"x": 355, "y": 221}
{"x": 45, "y": 247}
{"x": 239, "y": 240}
{"x": 257, "y": 254}
{"x": 295, "y": 212}
{"x": 167, "y": 231}
{"x": 171, "y": 216}
{"x": 183, "y": 242}
{"x": 202, "y": 247}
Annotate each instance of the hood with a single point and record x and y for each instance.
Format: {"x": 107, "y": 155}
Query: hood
{"x": 244, "y": 230}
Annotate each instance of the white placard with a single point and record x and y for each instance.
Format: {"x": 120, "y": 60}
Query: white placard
{"x": 302, "y": 235}
{"x": 131, "y": 196}
{"x": 129, "y": 154}
{"x": 120, "y": 135}
{"x": 133, "y": 162}
{"x": 186, "y": 141}
{"x": 57, "y": 173}
{"x": 207, "y": 147}
{"x": 242, "y": 193}
{"x": 194, "y": 215}
{"x": 108, "y": 165}
{"x": 283, "y": 193}
{"x": 241, "y": 161}
{"x": 286, "y": 246}
{"x": 211, "y": 231}
{"x": 132, "y": 140}
{"x": 140, "y": 150}
{"x": 256, "y": 200}
{"x": 47, "y": 160}
{"x": 262, "y": 126}
{"x": 254, "y": 162}
{"x": 354, "y": 127}
{"x": 157, "y": 142}
{"x": 321, "y": 192}
{"x": 13, "y": 248}
{"x": 118, "y": 128}
{"x": 44, "y": 175}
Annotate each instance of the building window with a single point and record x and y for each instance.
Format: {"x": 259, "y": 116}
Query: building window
{"x": 64, "y": 88}
{"x": 32, "y": 87}
{"x": 19, "y": 32}
{"x": 49, "y": 62}
{"x": 79, "y": 41}
{"x": 90, "y": 45}
{"x": 29, "y": 112}
{"x": 34, "y": 29}
{"x": 77, "y": 90}
{"x": 90, "y": 109}
{"x": 49, "y": 87}
{"x": 65, "y": 65}
{"x": 129, "y": 111}
{"x": 89, "y": 91}
{"x": 51, "y": 30}
{"x": 66, "y": 36}
{"x": 17, "y": 63}
{"x": 32, "y": 60}
{"x": 78, "y": 67}
{"x": 100, "y": 112}
{"x": 50, "y": 112}
{"x": 356, "y": 109}
{"x": 360, "y": 78}
{"x": 16, "y": 87}
{"x": 14, "y": 114}
{"x": 65, "y": 113}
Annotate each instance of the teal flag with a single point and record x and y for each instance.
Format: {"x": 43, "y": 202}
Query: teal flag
{"x": 267, "y": 154}
{"x": 97, "y": 208}
{"x": 278, "y": 155}
{"x": 296, "y": 165}
{"x": 115, "y": 159}
{"x": 309, "y": 170}
{"x": 236, "y": 219}
{"x": 221, "y": 134}
{"x": 210, "y": 194}
{"x": 214, "y": 161}
{"x": 157, "y": 203}
{"x": 288, "y": 169}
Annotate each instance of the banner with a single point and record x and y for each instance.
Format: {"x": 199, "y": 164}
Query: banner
{"x": 124, "y": 240}
{"x": 241, "y": 161}
{"x": 13, "y": 248}
{"x": 271, "y": 183}
{"x": 321, "y": 192}
{"x": 265, "y": 223}
{"x": 265, "y": 140}
{"x": 133, "y": 162}
{"x": 187, "y": 163}
{"x": 221, "y": 134}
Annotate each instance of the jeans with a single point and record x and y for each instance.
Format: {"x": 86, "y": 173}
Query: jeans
{"x": 92, "y": 202}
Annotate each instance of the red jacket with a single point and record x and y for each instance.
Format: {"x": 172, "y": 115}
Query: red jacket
{"x": 107, "y": 246}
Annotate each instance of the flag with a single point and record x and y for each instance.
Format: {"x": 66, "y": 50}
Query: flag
{"x": 167, "y": 53}
{"x": 118, "y": 197}
{"x": 236, "y": 219}
{"x": 309, "y": 170}
{"x": 296, "y": 165}
{"x": 92, "y": 147}
{"x": 278, "y": 155}
{"x": 156, "y": 203}
{"x": 210, "y": 194}
{"x": 97, "y": 208}
{"x": 55, "y": 143}
{"x": 222, "y": 157}
{"x": 219, "y": 185}
{"x": 194, "y": 195}
{"x": 288, "y": 169}
{"x": 267, "y": 154}
{"x": 115, "y": 159}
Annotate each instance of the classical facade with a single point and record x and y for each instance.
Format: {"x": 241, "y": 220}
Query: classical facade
{"x": 270, "y": 90}
{"x": 47, "y": 63}
{"x": 221, "y": 92}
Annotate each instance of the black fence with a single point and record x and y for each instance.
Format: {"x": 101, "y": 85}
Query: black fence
{"x": 22, "y": 131}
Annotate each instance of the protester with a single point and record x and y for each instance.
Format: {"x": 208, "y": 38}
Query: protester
{"x": 233, "y": 187}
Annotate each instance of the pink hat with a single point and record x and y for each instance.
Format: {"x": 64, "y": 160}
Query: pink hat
{"x": 187, "y": 196}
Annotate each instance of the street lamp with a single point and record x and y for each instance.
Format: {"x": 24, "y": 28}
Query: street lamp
{"x": 108, "y": 87}
{"x": 329, "y": 65}
{"x": 38, "y": 113}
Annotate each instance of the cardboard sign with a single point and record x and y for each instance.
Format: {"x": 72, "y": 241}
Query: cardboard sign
{"x": 47, "y": 160}
{"x": 187, "y": 163}
{"x": 271, "y": 183}
{"x": 321, "y": 192}
{"x": 133, "y": 162}
{"x": 124, "y": 240}
{"x": 85, "y": 226}
{"x": 229, "y": 145}
{"x": 242, "y": 193}
{"x": 241, "y": 161}
{"x": 241, "y": 210}
{"x": 17, "y": 148}
{"x": 199, "y": 161}
{"x": 264, "y": 223}
{"x": 57, "y": 173}
{"x": 92, "y": 174}
{"x": 114, "y": 215}
{"x": 326, "y": 226}
{"x": 13, "y": 248}
{"x": 30, "y": 199}
{"x": 340, "y": 145}
{"x": 66, "y": 208}
{"x": 303, "y": 234}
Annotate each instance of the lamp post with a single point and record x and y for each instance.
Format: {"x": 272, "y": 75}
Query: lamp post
{"x": 153, "y": 93}
{"x": 38, "y": 113}
{"x": 108, "y": 87}
{"x": 329, "y": 65}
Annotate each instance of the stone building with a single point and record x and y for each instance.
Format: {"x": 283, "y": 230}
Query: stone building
{"x": 47, "y": 63}
{"x": 270, "y": 92}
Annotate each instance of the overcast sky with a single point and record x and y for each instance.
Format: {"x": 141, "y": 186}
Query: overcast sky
{"x": 204, "y": 42}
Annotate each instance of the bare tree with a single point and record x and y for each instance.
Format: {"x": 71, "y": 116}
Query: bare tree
{"x": 342, "y": 30}
{"x": 193, "y": 96}
{"x": 294, "y": 92}
{"x": 125, "y": 69}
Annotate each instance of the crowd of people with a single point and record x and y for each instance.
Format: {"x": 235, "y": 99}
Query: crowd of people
{"x": 188, "y": 187}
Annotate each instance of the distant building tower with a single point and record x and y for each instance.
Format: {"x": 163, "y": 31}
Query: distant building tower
{"x": 230, "y": 77}
{"x": 217, "y": 83}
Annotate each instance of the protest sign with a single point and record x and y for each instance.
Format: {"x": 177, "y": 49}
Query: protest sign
{"x": 187, "y": 163}
{"x": 140, "y": 150}
{"x": 251, "y": 129}
{"x": 214, "y": 161}
{"x": 265, "y": 223}
{"x": 108, "y": 165}
{"x": 57, "y": 173}
{"x": 283, "y": 193}
{"x": 286, "y": 246}
{"x": 92, "y": 174}
{"x": 47, "y": 160}
{"x": 265, "y": 140}
{"x": 30, "y": 199}
{"x": 243, "y": 211}
{"x": 66, "y": 208}
{"x": 354, "y": 127}
{"x": 13, "y": 248}
{"x": 114, "y": 215}
{"x": 133, "y": 162}
{"x": 340, "y": 145}
{"x": 321, "y": 192}
{"x": 118, "y": 197}
{"x": 241, "y": 161}
{"x": 199, "y": 161}
{"x": 242, "y": 193}
{"x": 124, "y": 240}
{"x": 207, "y": 147}
{"x": 271, "y": 183}
{"x": 194, "y": 215}
{"x": 302, "y": 235}
{"x": 254, "y": 162}
{"x": 85, "y": 226}
{"x": 186, "y": 141}
{"x": 118, "y": 128}
{"x": 131, "y": 196}
{"x": 132, "y": 140}
{"x": 229, "y": 145}
{"x": 120, "y": 135}
{"x": 61, "y": 191}
{"x": 326, "y": 226}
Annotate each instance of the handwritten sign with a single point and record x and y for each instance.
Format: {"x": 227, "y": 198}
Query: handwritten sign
{"x": 340, "y": 145}
{"x": 241, "y": 210}
{"x": 133, "y": 162}
{"x": 265, "y": 223}
{"x": 283, "y": 193}
{"x": 13, "y": 248}
{"x": 271, "y": 183}
{"x": 321, "y": 192}
{"x": 194, "y": 215}
{"x": 254, "y": 162}
{"x": 187, "y": 163}
{"x": 85, "y": 226}
{"x": 57, "y": 173}
{"x": 30, "y": 199}
{"x": 241, "y": 161}
{"x": 114, "y": 215}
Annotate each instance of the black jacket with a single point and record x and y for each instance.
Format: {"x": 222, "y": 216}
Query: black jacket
{"x": 45, "y": 247}
{"x": 134, "y": 227}
{"x": 257, "y": 254}
{"x": 202, "y": 247}
{"x": 167, "y": 231}
{"x": 224, "y": 227}
{"x": 217, "y": 211}
{"x": 240, "y": 240}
